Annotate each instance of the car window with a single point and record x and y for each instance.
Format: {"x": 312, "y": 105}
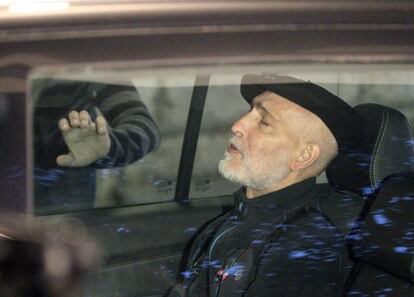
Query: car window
{"x": 166, "y": 94}
{"x": 146, "y": 179}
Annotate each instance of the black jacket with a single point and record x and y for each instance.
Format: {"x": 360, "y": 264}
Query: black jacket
{"x": 278, "y": 244}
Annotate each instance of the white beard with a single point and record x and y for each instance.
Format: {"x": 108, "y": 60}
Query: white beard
{"x": 259, "y": 173}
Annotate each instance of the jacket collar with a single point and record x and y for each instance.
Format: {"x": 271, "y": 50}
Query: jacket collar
{"x": 280, "y": 202}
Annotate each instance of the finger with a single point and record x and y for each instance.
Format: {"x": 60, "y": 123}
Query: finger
{"x": 65, "y": 160}
{"x": 101, "y": 125}
{"x": 64, "y": 125}
{"x": 74, "y": 118}
{"x": 84, "y": 118}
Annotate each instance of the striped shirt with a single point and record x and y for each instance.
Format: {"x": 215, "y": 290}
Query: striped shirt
{"x": 132, "y": 130}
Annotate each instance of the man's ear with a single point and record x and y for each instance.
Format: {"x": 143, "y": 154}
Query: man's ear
{"x": 306, "y": 158}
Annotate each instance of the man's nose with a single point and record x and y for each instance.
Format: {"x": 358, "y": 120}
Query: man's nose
{"x": 239, "y": 128}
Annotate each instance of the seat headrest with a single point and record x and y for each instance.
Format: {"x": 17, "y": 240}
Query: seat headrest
{"x": 385, "y": 238}
{"x": 386, "y": 149}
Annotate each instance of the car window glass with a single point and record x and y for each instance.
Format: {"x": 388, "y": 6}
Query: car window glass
{"x": 135, "y": 180}
{"x": 166, "y": 95}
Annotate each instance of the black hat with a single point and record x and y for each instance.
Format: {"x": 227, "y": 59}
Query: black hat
{"x": 342, "y": 120}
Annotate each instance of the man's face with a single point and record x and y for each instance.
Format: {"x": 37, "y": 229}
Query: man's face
{"x": 264, "y": 143}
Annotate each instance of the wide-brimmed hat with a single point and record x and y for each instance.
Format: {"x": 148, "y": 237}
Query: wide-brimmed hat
{"x": 342, "y": 120}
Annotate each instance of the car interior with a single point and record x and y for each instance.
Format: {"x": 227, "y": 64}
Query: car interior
{"x": 185, "y": 60}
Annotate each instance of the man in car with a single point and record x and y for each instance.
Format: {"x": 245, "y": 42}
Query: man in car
{"x": 275, "y": 242}
{"x": 80, "y": 127}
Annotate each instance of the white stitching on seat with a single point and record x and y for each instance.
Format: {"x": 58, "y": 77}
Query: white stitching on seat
{"x": 377, "y": 148}
{"x": 409, "y": 130}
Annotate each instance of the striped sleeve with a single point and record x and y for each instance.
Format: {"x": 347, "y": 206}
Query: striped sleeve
{"x": 132, "y": 130}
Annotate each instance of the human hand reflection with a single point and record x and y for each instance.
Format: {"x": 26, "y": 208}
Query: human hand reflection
{"x": 87, "y": 141}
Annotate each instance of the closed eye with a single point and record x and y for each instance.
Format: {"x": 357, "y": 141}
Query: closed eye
{"x": 264, "y": 122}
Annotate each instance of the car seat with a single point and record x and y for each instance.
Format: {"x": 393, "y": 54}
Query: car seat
{"x": 382, "y": 244}
{"x": 354, "y": 182}
{"x": 386, "y": 148}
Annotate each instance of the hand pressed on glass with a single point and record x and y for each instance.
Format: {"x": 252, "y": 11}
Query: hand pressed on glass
{"x": 87, "y": 141}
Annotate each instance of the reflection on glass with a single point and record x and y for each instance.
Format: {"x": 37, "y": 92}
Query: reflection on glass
{"x": 80, "y": 127}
